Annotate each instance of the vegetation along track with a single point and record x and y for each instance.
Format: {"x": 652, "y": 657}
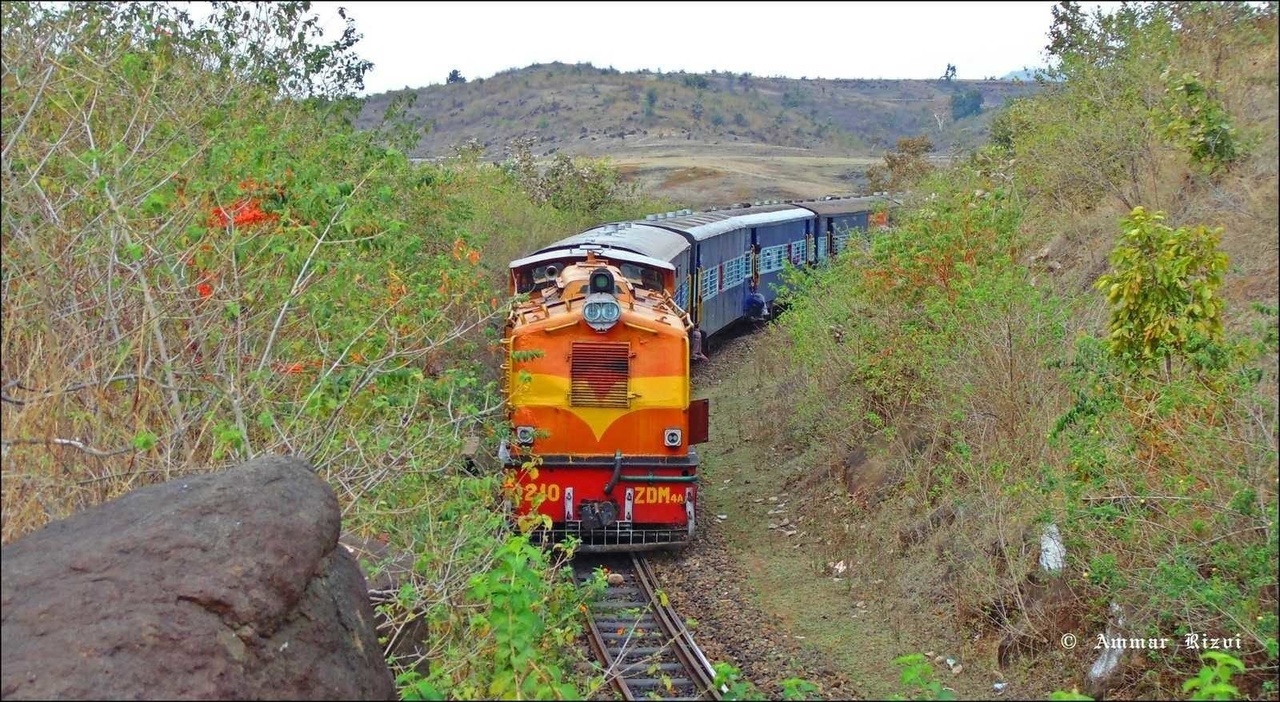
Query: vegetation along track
{"x": 643, "y": 644}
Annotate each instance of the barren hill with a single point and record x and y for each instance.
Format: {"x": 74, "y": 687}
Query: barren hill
{"x": 581, "y": 109}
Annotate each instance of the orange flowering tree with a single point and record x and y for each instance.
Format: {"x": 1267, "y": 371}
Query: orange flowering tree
{"x": 203, "y": 261}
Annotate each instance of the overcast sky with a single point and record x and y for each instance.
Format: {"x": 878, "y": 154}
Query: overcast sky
{"x": 417, "y": 43}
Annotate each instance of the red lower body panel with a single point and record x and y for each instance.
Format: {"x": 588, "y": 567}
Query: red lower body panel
{"x": 646, "y": 507}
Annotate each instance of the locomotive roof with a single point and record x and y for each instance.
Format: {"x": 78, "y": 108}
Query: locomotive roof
{"x": 651, "y": 241}
{"x": 609, "y": 254}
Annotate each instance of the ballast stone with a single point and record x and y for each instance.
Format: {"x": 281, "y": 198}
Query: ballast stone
{"x": 221, "y": 586}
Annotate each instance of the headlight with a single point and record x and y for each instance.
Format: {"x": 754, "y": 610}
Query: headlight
{"x": 524, "y": 435}
{"x": 594, "y": 312}
{"x": 602, "y": 312}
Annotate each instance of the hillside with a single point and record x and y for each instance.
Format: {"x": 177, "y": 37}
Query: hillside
{"x": 1041, "y": 408}
{"x": 584, "y": 110}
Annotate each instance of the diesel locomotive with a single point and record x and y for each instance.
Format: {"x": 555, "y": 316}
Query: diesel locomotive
{"x": 604, "y": 425}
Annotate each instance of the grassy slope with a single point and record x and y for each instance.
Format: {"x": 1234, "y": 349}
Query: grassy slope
{"x": 928, "y": 583}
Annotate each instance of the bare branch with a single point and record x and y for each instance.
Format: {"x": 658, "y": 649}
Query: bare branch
{"x": 73, "y": 443}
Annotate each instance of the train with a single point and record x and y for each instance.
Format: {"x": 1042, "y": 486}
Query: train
{"x": 599, "y": 346}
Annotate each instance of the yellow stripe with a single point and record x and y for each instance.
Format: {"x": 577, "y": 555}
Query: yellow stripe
{"x": 543, "y": 390}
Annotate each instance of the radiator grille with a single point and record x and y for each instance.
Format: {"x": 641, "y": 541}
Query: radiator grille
{"x": 600, "y": 372}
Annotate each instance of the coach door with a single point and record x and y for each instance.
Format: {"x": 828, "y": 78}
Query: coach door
{"x": 810, "y": 243}
{"x": 824, "y": 240}
{"x": 695, "y": 291}
{"x": 754, "y": 257}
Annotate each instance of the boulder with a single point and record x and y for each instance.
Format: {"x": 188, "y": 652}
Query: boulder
{"x": 220, "y": 586}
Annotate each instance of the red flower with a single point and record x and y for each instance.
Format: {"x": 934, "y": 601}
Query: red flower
{"x": 244, "y": 212}
{"x": 204, "y": 289}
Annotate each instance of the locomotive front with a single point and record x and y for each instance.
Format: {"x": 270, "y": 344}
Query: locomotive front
{"x": 598, "y": 399}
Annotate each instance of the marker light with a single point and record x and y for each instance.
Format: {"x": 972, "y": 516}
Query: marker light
{"x": 601, "y": 281}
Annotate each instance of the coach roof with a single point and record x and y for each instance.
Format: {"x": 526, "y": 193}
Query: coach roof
{"x": 704, "y": 225}
{"x": 843, "y": 205}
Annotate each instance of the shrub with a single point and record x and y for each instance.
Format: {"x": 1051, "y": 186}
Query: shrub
{"x": 242, "y": 272}
{"x": 1163, "y": 289}
{"x": 1193, "y": 120}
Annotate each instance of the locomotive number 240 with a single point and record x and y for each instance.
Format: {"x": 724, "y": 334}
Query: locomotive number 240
{"x": 549, "y": 491}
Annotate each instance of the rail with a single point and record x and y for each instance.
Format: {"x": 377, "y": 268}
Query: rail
{"x": 642, "y": 643}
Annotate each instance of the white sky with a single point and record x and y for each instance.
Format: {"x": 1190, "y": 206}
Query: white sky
{"x": 417, "y": 43}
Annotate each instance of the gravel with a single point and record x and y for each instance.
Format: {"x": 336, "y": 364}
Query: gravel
{"x": 705, "y": 585}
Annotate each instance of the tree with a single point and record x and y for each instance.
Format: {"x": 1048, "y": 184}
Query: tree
{"x": 696, "y": 82}
{"x": 949, "y": 74}
{"x": 1162, "y": 289}
{"x": 903, "y": 168}
{"x": 455, "y": 76}
{"x": 965, "y": 104}
{"x": 650, "y": 101}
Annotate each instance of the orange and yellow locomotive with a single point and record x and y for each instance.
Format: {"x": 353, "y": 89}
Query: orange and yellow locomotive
{"x": 599, "y": 400}
{"x": 597, "y": 374}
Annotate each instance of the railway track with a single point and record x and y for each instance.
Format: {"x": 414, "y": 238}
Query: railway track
{"x": 644, "y": 646}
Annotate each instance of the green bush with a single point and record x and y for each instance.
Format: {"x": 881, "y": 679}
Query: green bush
{"x": 1192, "y": 119}
{"x": 1168, "y": 491}
{"x": 241, "y": 272}
{"x": 1163, "y": 289}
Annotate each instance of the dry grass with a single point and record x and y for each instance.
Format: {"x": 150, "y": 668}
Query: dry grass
{"x": 714, "y": 175}
{"x": 939, "y": 518}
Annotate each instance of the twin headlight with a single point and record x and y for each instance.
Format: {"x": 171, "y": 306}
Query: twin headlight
{"x": 602, "y": 311}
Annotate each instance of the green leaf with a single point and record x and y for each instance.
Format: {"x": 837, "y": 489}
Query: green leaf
{"x": 133, "y": 252}
{"x": 144, "y": 440}
{"x": 266, "y": 419}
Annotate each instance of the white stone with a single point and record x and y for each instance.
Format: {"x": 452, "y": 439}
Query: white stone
{"x": 1053, "y": 555}
{"x": 1109, "y": 660}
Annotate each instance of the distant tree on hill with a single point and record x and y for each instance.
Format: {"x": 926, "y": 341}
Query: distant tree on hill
{"x": 965, "y": 104}
{"x": 792, "y": 97}
{"x": 696, "y": 82}
{"x": 455, "y": 76}
{"x": 904, "y": 168}
{"x": 949, "y": 74}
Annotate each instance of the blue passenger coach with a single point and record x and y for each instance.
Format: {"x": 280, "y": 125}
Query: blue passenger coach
{"x": 839, "y": 220}
{"x": 728, "y": 256}
{"x": 721, "y": 257}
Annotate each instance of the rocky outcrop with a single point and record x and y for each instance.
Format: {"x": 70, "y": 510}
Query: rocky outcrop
{"x": 221, "y": 586}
